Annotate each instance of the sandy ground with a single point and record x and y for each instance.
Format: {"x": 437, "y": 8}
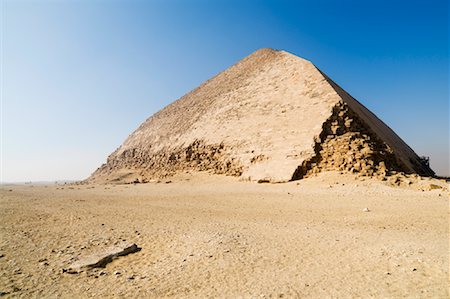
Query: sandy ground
{"x": 212, "y": 236}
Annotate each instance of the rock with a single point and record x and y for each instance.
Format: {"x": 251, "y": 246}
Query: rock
{"x": 263, "y": 181}
{"x": 117, "y": 273}
{"x": 101, "y": 260}
{"x": 70, "y": 271}
{"x": 434, "y": 186}
{"x": 366, "y": 210}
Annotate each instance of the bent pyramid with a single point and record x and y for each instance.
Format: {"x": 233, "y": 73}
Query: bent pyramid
{"x": 272, "y": 117}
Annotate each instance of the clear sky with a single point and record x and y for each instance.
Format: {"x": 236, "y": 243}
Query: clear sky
{"x": 79, "y": 76}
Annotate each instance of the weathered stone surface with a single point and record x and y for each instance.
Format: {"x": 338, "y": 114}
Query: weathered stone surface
{"x": 102, "y": 259}
{"x": 271, "y": 117}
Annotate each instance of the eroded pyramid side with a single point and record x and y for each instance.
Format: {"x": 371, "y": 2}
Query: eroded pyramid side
{"x": 409, "y": 161}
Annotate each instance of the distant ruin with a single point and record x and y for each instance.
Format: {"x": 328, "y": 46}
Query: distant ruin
{"x": 271, "y": 117}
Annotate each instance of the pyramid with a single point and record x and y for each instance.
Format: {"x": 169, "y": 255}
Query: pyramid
{"x": 271, "y": 117}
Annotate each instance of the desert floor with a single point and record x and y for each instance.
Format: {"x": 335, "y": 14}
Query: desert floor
{"x": 213, "y": 236}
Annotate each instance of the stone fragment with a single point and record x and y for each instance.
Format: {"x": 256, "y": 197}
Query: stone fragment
{"x": 101, "y": 260}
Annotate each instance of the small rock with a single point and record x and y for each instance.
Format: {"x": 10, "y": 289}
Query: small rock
{"x": 102, "y": 273}
{"x": 70, "y": 271}
{"x": 366, "y": 210}
{"x": 434, "y": 186}
{"x": 117, "y": 273}
{"x": 414, "y": 269}
{"x": 101, "y": 260}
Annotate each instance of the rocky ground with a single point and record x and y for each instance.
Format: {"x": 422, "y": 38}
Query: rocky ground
{"x": 329, "y": 235}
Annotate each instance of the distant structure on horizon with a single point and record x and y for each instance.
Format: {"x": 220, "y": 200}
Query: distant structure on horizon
{"x": 270, "y": 117}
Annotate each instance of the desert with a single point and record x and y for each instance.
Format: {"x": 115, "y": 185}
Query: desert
{"x": 266, "y": 181}
{"x": 211, "y": 236}
{"x": 224, "y": 149}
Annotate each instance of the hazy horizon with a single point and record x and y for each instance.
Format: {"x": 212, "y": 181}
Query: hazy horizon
{"x": 79, "y": 76}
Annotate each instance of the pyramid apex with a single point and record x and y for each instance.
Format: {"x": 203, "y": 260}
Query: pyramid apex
{"x": 262, "y": 52}
{"x": 264, "y": 55}
{"x": 267, "y": 49}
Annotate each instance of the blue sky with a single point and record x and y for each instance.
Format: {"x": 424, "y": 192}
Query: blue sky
{"x": 79, "y": 76}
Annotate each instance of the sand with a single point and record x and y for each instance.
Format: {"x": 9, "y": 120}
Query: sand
{"x": 214, "y": 236}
